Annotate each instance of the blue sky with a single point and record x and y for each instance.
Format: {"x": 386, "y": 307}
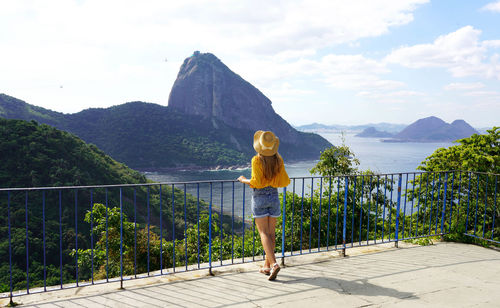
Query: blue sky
{"x": 332, "y": 61}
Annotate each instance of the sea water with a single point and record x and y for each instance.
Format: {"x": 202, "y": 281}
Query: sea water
{"x": 373, "y": 154}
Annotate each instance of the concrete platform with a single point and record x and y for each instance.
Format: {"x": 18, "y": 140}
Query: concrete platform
{"x": 439, "y": 275}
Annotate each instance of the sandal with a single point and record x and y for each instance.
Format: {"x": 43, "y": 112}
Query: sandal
{"x": 265, "y": 270}
{"x": 274, "y": 271}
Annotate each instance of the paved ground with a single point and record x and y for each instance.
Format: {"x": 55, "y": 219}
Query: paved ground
{"x": 440, "y": 275}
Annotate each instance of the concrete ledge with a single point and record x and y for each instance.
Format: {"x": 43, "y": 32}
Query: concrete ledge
{"x": 444, "y": 274}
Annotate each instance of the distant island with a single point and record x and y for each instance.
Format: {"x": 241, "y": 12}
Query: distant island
{"x": 433, "y": 129}
{"x": 430, "y": 129}
{"x": 383, "y": 126}
{"x": 372, "y": 132}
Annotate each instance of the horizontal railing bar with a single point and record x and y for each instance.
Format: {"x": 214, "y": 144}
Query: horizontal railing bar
{"x": 227, "y": 181}
{"x": 481, "y": 238}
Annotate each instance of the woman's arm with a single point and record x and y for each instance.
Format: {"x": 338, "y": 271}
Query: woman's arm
{"x": 244, "y": 180}
{"x": 255, "y": 174}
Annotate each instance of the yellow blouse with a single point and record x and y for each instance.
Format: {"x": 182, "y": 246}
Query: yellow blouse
{"x": 258, "y": 180}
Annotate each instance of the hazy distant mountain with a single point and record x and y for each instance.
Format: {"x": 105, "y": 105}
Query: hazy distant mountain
{"x": 483, "y": 130}
{"x": 433, "y": 129}
{"x": 316, "y": 127}
{"x": 372, "y": 132}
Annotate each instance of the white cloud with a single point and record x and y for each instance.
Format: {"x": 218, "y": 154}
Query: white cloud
{"x": 286, "y": 92}
{"x": 101, "y": 47}
{"x": 490, "y": 94}
{"x": 492, "y": 6}
{"x": 322, "y": 23}
{"x": 294, "y": 54}
{"x": 260, "y": 26}
{"x": 345, "y": 72}
{"x": 379, "y": 95}
{"x": 397, "y": 98}
{"x": 353, "y": 72}
{"x": 461, "y": 52}
{"x": 464, "y": 86}
{"x": 491, "y": 44}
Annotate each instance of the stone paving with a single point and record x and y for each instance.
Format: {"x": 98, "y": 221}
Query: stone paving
{"x": 439, "y": 275}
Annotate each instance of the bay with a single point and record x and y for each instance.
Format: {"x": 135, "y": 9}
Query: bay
{"x": 379, "y": 157}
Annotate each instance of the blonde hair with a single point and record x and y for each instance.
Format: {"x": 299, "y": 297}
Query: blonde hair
{"x": 271, "y": 165}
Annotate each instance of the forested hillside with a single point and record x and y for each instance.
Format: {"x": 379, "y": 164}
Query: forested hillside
{"x": 144, "y": 135}
{"x": 41, "y": 155}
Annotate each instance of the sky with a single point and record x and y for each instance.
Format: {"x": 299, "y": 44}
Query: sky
{"x": 325, "y": 61}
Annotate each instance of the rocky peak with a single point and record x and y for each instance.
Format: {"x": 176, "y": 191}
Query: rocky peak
{"x": 463, "y": 128}
{"x": 205, "y": 86}
{"x": 434, "y": 129}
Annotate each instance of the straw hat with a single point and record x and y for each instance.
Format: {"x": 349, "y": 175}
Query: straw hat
{"x": 265, "y": 143}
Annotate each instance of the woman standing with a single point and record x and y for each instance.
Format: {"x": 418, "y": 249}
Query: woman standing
{"x": 268, "y": 173}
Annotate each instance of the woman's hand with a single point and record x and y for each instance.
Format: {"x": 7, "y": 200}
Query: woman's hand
{"x": 244, "y": 180}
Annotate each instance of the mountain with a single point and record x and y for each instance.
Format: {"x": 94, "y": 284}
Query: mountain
{"x": 433, "y": 129}
{"x": 392, "y": 128}
{"x": 13, "y": 108}
{"x": 372, "y": 132}
{"x": 40, "y": 155}
{"x": 143, "y": 135}
{"x": 150, "y": 136}
{"x": 317, "y": 127}
{"x": 207, "y": 87}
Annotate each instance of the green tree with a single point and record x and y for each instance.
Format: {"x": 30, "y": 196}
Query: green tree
{"x": 480, "y": 153}
{"x": 477, "y": 153}
{"x": 336, "y": 160}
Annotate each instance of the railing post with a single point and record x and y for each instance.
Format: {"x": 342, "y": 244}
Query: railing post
{"x": 468, "y": 204}
{"x": 161, "y": 234}
{"x": 283, "y": 228}
{"x": 121, "y": 240}
{"x": 397, "y": 211}
{"x": 60, "y": 238}
{"x": 27, "y": 245}
{"x": 147, "y": 203}
{"x": 451, "y": 202}
{"x": 76, "y": 235}
{"x": 92, "y": 233}
{"x": 444, "y": 202}
{"x": 210, "y": 233}
{"x": 494, "y": 210}
{"x": 173, "y": 228}
{"x": 44, "y": 251}
{"x": 346, "y": 191}
{"x": 244, "y": 226}
{"x": 11, "y": 302}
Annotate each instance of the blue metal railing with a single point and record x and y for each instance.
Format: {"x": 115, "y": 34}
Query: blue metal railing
{"x": 84, "y": 235}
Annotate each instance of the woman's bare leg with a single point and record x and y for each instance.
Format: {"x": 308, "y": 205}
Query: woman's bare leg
{"x": 266, "y": 227}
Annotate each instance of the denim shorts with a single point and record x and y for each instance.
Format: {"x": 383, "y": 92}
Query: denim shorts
{"x": 265, "y": 202}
